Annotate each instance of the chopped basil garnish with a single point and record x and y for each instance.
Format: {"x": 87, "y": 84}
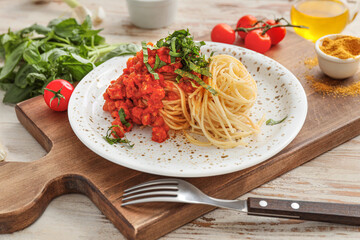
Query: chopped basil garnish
{"x": 122, "y": 116}
{"x": 111, "y": 131}
{"x": 146, "y": 58}
{"x": 145, "y": 51}
{"x": 274, "y": 122}
{"x": 175, "y": 54}
{"x": 158, "y": 63}
{"x": 182, "y": 45}
{"x": 197, "y": 79}
{"x": 173, "y": 44}
{"x": 112, "y": 141}
{"x": 202, "y": 71}
{"x": 178, "y": 77}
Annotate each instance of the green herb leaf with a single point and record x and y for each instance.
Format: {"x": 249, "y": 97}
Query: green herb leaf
{"x": 272, "y": 122}
{"x": 124, "y": 49}
{"x": 175, "y": 54}
{"x": 37, "y": 28}
{"x": 197, "y": 79}
{"x": 63, "y": 49}
{"x": 12, "y": 60}
{"x": 146, "y": 58}
{"x": 31, "y": 53}
{"x": 53, "y": 55}
{"x": 54, "y": 22}
{"x": 33, "y": 78}
{"x": 16, "y": 94}
{"x": 76, "y": 65}
{"x": 145, "y": 51}
{"x": 202, "y": 71}
{"x": 67, "y": 28}
{"x": 112, "y": 141}
{"x": 5, "y": 86}
{"x": 87, "y": 24}
{"x": 20, "y": 79}
{"x": 182, "y": 45}
{"x": 122, "y": 116}
{"x": 157, "y": 62}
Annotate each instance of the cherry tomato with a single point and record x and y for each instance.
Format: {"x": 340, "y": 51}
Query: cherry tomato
{"x": 258, "y": 42}
{"x": 57, "y": 94}
{"x": 276, "y": 34}
{"x": 245, "y": 22}
{"x": 223, "y": 33}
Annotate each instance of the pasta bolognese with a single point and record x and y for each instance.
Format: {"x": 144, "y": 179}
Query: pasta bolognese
{"x": 171, "y": 85}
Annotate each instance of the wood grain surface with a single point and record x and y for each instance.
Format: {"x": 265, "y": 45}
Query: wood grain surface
{"x": 331, "y": 177}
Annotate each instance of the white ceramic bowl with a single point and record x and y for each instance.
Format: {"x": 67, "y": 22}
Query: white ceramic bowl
{"x": 335, "y": 67}
{"x": 152, "y": 13}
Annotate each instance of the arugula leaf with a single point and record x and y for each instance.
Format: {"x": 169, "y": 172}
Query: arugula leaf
{"x": 272, "y": 122}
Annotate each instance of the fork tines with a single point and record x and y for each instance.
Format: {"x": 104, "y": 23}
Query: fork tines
{"x": 157, "y": 190}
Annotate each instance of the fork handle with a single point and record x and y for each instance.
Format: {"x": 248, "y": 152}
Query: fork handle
{"x": 314, "y": 211}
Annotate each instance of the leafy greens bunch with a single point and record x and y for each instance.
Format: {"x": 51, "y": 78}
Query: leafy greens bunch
{"x": 64, "y": 49}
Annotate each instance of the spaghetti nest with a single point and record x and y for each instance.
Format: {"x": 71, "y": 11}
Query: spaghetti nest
{"x": 223, "y": 119}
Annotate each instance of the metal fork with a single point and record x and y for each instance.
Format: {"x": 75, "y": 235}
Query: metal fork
{"x": 177, "y": 190}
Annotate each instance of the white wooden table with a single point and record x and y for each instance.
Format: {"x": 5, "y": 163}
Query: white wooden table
{"x": 333, "y": 176}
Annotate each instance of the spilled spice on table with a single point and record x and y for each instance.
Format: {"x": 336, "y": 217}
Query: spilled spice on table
{"x": 338, "y": 89}
{"x": 311, "y": 62}
{"x": 328, "y": 86}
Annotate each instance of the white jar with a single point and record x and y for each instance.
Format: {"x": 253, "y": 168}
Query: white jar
{"x": 152, "y": 13}
{"x": 335, "y": 67}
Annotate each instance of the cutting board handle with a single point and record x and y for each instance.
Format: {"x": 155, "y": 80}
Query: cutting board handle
{"x": 29, "y": 189}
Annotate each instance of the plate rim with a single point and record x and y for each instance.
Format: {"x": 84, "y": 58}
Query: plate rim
{"x": 216, "y": 172}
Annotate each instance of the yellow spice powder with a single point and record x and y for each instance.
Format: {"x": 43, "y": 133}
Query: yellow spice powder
{"x": 342, "y": 47}
{"x": 311, "y": 62}
{"x": 335, "y": 90}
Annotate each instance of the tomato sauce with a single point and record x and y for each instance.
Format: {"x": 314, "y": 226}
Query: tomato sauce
{"x": 140, "y": 94}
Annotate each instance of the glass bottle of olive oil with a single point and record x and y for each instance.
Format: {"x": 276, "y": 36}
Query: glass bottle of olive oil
{"x": 321, "y": 16}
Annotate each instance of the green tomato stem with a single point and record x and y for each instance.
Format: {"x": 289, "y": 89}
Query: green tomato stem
{"x": 267, "y": 27}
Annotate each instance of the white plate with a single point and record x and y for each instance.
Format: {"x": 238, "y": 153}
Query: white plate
{"x": 280, "y": 94}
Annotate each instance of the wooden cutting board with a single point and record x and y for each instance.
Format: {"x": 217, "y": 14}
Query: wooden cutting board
{"x": 69, "y": 167}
